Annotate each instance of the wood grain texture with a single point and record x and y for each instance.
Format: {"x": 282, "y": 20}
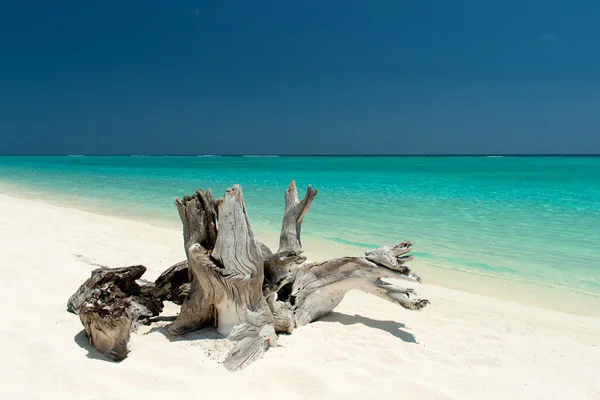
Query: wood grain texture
{"x": 198, "y": 214}
{"x": 173, "y": 284}
{"x": 110, "y": 304}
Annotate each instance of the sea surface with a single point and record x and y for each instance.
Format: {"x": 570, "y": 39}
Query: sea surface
{"x": 511, "y": 225}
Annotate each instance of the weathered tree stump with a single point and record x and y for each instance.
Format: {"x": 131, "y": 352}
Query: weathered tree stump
{"x": 232, "y": 282}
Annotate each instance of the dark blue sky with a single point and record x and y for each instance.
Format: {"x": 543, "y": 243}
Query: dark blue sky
{"x": 308, "y": 77}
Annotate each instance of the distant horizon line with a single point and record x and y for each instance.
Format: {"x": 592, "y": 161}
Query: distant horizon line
{"x": 311, "y": 155}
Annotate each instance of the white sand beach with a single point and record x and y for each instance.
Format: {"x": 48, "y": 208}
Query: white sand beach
{"x": 462, "y": 346}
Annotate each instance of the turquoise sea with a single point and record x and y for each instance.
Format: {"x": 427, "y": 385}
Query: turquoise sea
{"x": 494, "y": 223}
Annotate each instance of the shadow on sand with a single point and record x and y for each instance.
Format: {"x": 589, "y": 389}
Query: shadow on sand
{"x": 392, "y": 327}
{"x": 82, "y": 341}
{"x": 202, "y": 334}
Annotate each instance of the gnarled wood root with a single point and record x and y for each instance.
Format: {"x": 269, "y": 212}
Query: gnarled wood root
{"x": 111, "y": 304}
{"x": 173, "y": 284}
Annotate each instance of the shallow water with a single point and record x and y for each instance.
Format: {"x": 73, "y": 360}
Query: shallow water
{"x": 529, "y": 220}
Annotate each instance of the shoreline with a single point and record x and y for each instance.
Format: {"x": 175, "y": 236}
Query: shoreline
{"x": 315, "y": 254}
{"x": 530, "y": 293}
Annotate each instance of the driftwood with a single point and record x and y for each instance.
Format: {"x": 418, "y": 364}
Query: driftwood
{"x": 111, "y": 304}
{"x": 232, "y": 282}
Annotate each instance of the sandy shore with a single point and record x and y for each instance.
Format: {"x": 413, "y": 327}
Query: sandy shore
{"x": 463, "y": 346}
